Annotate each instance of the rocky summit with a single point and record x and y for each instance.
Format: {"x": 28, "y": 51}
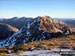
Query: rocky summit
{"x": 40, "y": 28}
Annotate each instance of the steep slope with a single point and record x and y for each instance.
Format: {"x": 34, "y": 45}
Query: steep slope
{"x": 40, "y": 28}
{"x": 67, "y": 42}
{"x": 49, "y": 25}
{"x": 6, "y": 31}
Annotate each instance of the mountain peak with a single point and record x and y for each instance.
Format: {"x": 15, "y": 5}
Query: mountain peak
{"x": 38, "y": 29}
{"x": 48, "y": 24}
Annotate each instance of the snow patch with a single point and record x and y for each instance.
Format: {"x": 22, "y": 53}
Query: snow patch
{"x": 43, "y": 52}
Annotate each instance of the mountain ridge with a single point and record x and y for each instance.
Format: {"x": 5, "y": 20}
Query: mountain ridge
{"x": 33, "y": 31}
{"x": 24, "y": 20}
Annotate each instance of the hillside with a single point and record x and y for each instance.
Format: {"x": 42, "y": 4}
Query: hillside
{"x": 67, "y": 42}
{"x": 40, "y": 28}
{"x": 6, "y": 30}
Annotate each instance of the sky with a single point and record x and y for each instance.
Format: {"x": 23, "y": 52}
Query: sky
{"x": 34, "y": 8}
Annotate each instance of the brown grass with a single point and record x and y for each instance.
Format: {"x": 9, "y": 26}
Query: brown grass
{"x": 67, "y": 42}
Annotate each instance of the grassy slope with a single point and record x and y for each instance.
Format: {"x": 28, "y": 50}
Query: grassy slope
{"x": 62, "y": 42}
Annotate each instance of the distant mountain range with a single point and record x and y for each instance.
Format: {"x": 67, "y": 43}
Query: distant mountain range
{"x": 16, "y": 22}
{"x": 70, "y": 21}
{"x": 20, "y": 22}
{"x": 36, "y": 29}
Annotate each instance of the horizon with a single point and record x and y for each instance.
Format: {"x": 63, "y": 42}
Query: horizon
{"x": 35, "y": 8}
{"x": 38, "y": 16}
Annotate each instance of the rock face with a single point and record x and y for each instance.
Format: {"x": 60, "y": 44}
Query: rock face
{"x": 49, "y": 25}
{"x": 6, "y": 31}
{"x": 40, "y": 28}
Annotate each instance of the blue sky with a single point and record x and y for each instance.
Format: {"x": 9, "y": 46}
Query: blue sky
{"x": 34, "y": 8}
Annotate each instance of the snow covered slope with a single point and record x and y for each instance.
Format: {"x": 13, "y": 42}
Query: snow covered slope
{"x": 40, "y": 28}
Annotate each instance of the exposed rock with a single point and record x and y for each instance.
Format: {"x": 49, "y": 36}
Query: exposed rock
{"x": 40, "y": 28}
